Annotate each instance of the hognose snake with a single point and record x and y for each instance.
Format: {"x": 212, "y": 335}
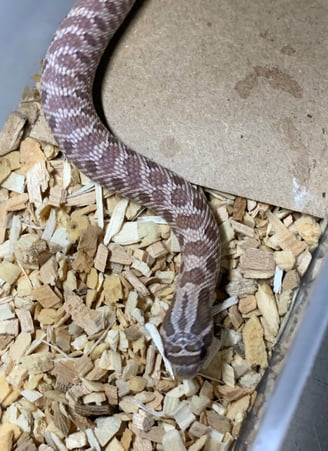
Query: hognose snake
{"x": 66, "y": 86}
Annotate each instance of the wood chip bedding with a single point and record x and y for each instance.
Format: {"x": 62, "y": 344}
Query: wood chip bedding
{"x": 85, "y": 280}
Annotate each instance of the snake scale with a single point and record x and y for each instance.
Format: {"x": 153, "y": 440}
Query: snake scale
{"x": 66, "y": 89}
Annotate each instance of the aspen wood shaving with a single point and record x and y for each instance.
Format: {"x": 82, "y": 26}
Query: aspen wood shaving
{"x": 89, "y": 320}
{"x": 257, "y": 264}
{"x": 268, "y": 307}
{"x": 254, "y": 343}
{"x": 285, "y": 238}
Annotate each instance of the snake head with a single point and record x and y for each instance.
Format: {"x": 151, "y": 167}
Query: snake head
{"x": 187, "y": 331}
{"x": 187, "y": 351}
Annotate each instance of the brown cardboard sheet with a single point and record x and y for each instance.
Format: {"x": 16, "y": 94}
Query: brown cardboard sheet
{"x": 231, "y": 95}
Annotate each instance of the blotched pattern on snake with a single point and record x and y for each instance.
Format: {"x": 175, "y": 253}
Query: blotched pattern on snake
{"x": 66, "y": 85}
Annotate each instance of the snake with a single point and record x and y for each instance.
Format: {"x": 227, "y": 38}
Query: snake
{"x": 67, "y": 82}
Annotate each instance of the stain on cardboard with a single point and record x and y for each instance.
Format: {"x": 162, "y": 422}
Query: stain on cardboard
{"x": 276, "y": 78}
{"x": 298, "y": 155}
{"x": 267, "y": 35}
{"x": 169, "y": 146}
{"x": 288, "y": 50}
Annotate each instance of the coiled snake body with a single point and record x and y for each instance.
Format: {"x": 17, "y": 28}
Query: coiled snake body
{"x": 66, "y": 86}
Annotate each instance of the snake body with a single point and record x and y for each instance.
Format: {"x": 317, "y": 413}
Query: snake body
{"x": 66, "y": 87}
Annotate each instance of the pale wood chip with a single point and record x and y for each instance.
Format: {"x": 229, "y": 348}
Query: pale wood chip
{"x": 133, "y": 210}
{"x": 268, "y": 307}
{"x": 232, "y": 393}
{"x": 257, "y": 264}
{"x": 286, "y": 239}
{"x": 9, "y": 327}
{"x": 49, "y": 271}
{"x": 218, "y": 422}
{"x": 190, "y": 386}
{"x": 46, "y": 316}
{"x": 97, "y": 373}
{"x": 239, "y": 208}
{"x": 37, "y": 363}
{"x": 76, "y": 225}
{"x": 247, "y": 304}
{"x": 249, "y": 381}
{"x": 241, "y": 287}
{"x": 303, "y": 262}
{"x": 291, "y": 280}
{"x": 114, "y": 445}
{"x": 172, "y": 244}
{"x": 92, "y": 441}
{"x": 116, "y": 220}
{"x": 12, "y": 132}
{"x": 45, "y": 296}
{"x": 6, "y": 312}
{"x": 235, "y": 317}
{"x": 143, "y": 421}
{"x": 237, "y": 409}
{"x": 41, "y": 130}
{"x": 137, "y": 384}
{"x": 142, "y": 268}
{"x": 25, "y": 443}
{"x": 228, "y": 375}
{"x": 242, "y": 228}
{"x": 8, "y": 433}
{"x": 308, "y": 229}
{"x": 142, "y": 444}
{"x": 254, "y": 344}
{"x": 198, "y": 444}
{"x": 111, "y": 394}
{"x": 81, "y": 199}
{"x": 126, "y": 439}
{"x": 20, "y": 346}
{"x": 50, "y": 226}
{"x": 183, "y": 415}
{"x": 135, "y": 282}
{"x": 37, "y": 179}
{"x": 76, "y": 440}
{"x": 14, "y": 159}
{"x": 198, "y": 429}
{"x": 106, "y": 428}
{"x": 284, "y": 301}
{"x": 60, "y": 240}
{"x": 129, "y": 234}
{"x": 199, "y": 403}
{"x": 15, "y": 182}
{"x": 119, "y": 255}
{"x": 5, "y": 388}
{"x": 101, "y": 257}
{"x": 113, "y": 290}
{"x": 285, "y": 259}
{"x": 89, "y": 320}
{"x": 157, "y": 250}
{"x": 57, "y": 196}
{"x": 9, "y": 272}
{"x": 17, "y": 375}
{"x": 172, "y": 440}
{"x": 16, "y": 202}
